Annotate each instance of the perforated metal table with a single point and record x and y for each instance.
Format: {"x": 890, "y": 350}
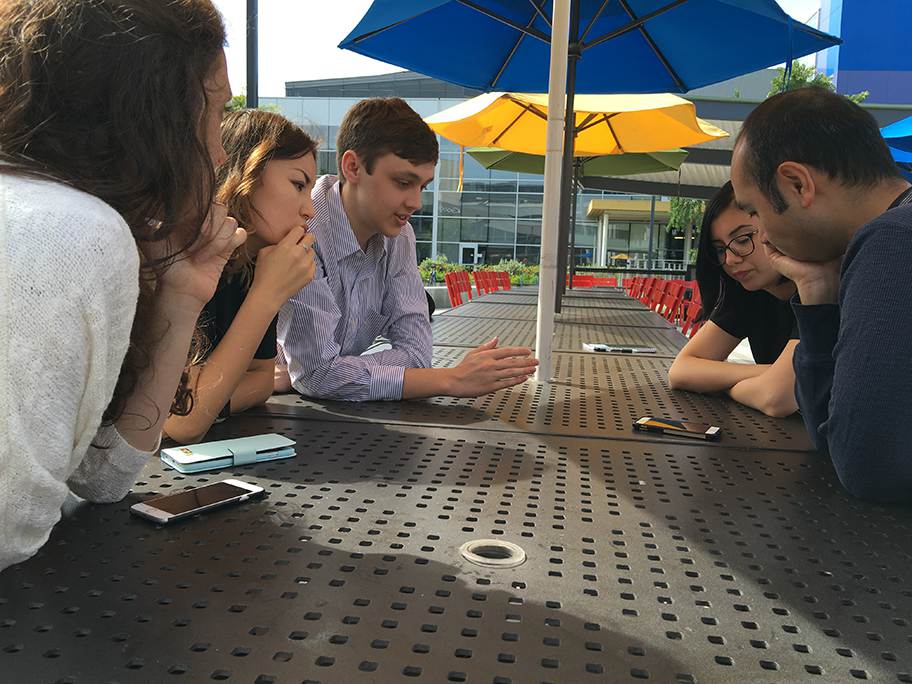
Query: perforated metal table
{"x": 647, "y": 558}
{"x": 471, "y": 332}
{"x": 645, "y": 561}
{"x": 589, "y": 315}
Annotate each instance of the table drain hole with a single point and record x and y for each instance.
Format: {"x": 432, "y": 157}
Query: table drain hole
{"x": 493, "y": 553}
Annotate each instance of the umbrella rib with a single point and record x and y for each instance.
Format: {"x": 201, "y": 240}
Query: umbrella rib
{"x": 655, "y": 48}
{"x": 593, "y": 20}
{"x": 539, "y": 12}
{"x": 587, "y": 123}
{"x": 633, "y": 24}
{"x": 525, "y": 108}
{"x": 503, "y": 67}
{"x": 607, "y": 120}
{"x": 535, "y": 33}
{"x": 371, "y": 34}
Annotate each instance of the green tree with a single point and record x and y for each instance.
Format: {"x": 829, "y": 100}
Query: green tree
{"x": 236, "y": 102}
{"x": 685, "y": 212}
{"x": 240, "y": 102}
{"x": 804, "y": 75}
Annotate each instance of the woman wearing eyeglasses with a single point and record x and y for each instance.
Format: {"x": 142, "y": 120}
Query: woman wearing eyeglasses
{"x": 743, "y": 298}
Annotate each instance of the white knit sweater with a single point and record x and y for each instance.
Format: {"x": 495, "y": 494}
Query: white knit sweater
{"x": 68, "y": 289}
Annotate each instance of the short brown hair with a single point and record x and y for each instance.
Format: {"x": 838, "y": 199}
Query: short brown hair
{"x": 381, "y": 125}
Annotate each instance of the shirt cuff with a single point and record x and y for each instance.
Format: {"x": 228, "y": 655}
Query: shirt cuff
{"x": 818, "y": 326}
{"x": 386, "y": 383}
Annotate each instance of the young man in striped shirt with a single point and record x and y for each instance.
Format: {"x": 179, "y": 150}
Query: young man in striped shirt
{"x": 367, "y": 282}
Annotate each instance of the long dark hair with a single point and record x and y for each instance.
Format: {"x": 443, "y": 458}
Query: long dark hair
{"x": 712, "y": 280}
{"x": 109, "y": 97}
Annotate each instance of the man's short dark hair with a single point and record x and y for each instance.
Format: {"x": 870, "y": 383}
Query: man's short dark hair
{"x": 819, "y": 128}
{"x": 381, "y": 125}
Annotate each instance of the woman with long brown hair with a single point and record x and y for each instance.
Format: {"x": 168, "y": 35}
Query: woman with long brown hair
{"x": 110, "y": 243}
{"x": 265, "y": 183}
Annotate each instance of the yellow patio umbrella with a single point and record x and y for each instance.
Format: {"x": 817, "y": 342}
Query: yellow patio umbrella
{"x": 603, "y": 124}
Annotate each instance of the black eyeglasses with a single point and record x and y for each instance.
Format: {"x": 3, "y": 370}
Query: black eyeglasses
{"x": 741, "y": 246}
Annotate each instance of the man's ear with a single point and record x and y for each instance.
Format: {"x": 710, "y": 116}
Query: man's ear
{"x": 796, "y": 183}
{"x": 351, "y": 166}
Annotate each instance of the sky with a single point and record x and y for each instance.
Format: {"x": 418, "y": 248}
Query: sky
{"x": 298, "y": 40}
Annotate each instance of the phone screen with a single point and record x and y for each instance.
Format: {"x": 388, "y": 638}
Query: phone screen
{"x": 678, "y": 425}
{"x": 200, "y": 497}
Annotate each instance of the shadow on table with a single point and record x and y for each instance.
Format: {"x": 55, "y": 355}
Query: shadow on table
{"x": 244, "y": 597}
{"x": 782, "y": 526}
{"x": 415, "y": 411}
{"x": 778, "y": 549}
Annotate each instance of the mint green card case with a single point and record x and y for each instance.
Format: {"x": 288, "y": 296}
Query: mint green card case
{"x": 227, "y": 453}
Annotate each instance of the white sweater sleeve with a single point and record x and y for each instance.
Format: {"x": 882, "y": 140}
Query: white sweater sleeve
{"x": 68, "y": 291}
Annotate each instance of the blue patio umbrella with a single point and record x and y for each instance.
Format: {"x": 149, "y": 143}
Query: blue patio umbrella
{"x": 899, "y": 136}
{"x": 624, "y": 46}
{"x": 583, "y": 46}
{"x": 899, "y": 139}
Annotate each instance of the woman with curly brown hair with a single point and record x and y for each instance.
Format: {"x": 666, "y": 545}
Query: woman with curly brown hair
{"x": 110, "y": 243}
{"x": 265, "y": 183}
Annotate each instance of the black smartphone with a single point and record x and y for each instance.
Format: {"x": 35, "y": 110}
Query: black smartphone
{"x": 678, "y": 428}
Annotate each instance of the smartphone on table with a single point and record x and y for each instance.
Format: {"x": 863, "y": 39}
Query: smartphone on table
{"x": 171, "y": 507}
{"x": 678, "y": 428}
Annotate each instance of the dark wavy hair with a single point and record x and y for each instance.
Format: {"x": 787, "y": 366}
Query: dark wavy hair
{"x": 712, "y": 280}
{"x": 109, "y": 97}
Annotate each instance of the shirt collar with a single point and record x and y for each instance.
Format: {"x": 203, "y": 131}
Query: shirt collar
{"x": 904, "y": 198}
{"x": 343, "y": 242}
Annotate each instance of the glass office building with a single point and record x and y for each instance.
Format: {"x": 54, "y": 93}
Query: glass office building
{"x": 497, "y": 215}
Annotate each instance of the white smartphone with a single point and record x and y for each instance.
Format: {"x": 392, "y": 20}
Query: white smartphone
{"x": 166, "y": 509}
{"x": 678, "y": 428}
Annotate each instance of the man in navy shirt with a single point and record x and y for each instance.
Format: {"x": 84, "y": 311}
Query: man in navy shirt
{"x": 836, "y": 217}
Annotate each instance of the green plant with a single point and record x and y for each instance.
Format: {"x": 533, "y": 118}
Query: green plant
{"x": 240, "y": 102}
{"x": 685, "y": 212}
{"x": 804, "y": 75}
{"x": 520, "y": 273}
{"x": 441, "y": 266}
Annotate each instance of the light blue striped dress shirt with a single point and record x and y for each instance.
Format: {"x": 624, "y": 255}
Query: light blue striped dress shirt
{"x": 356, "y": 296}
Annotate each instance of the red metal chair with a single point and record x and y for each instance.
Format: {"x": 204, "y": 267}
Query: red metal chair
{"x": 454, "y": 288}
{"x": 484, "y": 282}
{"x": 656, "y": 294}
{"x": 668, "y": 306}
{"x": 646, "y": 290}
{"x": 504, "y": 279}
{"x": 692, "y": 310}
{"x": 465, "y": 285}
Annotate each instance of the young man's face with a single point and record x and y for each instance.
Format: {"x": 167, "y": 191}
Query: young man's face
{"x": 391, "y": 193}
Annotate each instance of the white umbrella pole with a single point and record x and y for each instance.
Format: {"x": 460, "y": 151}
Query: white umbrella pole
{"x": 547, "y": 278}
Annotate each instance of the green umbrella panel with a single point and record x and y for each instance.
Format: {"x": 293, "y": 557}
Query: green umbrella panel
{"x": 607, "y": 165}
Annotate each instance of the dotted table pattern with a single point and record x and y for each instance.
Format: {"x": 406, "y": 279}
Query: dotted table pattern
{"x": 645, "y": 561}
{"x": 589, "y": 315}
{"x": 648, "y": 558}
{"x": 471, "y": 332}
